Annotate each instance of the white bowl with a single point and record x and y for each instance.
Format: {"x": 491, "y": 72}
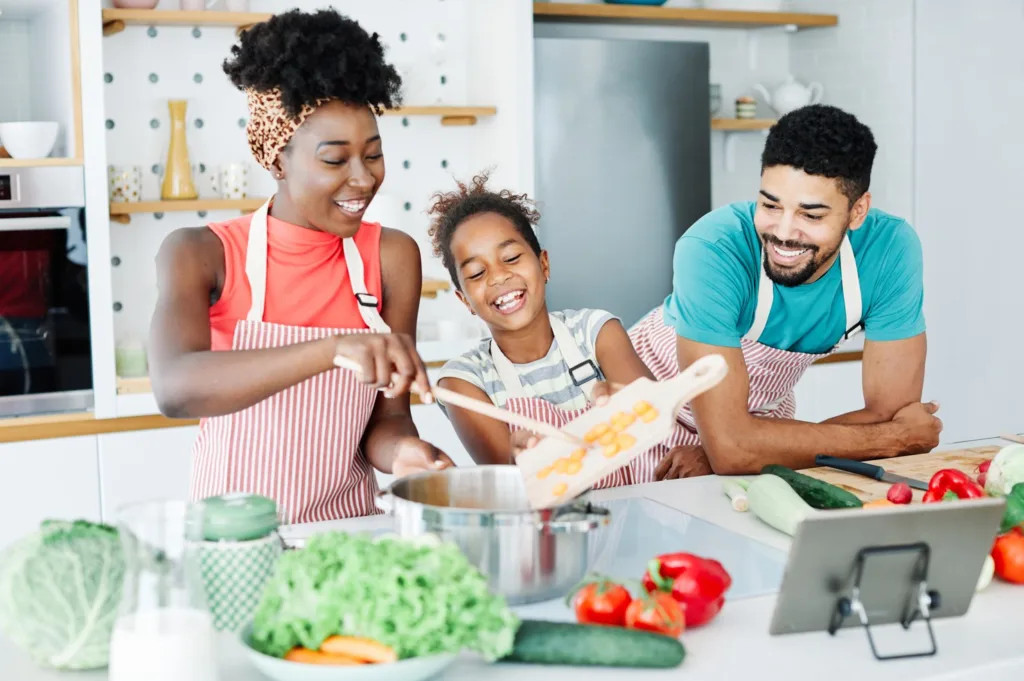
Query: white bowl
{"x": 415, "y": 669}
{"x": 29, "y": 139}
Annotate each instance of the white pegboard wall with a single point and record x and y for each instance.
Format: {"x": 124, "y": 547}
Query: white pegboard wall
{"x": 428, "y": 40}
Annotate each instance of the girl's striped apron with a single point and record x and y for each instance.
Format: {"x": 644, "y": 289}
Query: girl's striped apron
{"x": 583, "y": 370}
{"x": 301, "y": 446}
{"x": 773, "y": 373}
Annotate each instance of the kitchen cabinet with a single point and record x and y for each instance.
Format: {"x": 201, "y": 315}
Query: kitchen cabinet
{"x": 144, "y": 465}
{"x": 43, "y": 479}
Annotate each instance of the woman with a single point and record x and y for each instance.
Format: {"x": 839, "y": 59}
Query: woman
{"x": 547, "y": 365}
{"x": 252, "y": 312}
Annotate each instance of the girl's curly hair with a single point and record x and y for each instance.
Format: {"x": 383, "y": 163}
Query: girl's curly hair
{"x": 450, "y": 209}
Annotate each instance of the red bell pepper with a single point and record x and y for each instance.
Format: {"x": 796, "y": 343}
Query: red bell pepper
{"x": 697, "y": 584}
{"x": 951, "y": 483}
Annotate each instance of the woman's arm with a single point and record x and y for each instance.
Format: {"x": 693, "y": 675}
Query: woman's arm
{"x": 617, "y": 357}
{"x": 486, "y": 440}
{"x": 391, "y": 441}
{"x": 190, "y": 380}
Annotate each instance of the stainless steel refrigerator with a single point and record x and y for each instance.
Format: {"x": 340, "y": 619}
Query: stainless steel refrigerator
{"x": 623, "y": 163}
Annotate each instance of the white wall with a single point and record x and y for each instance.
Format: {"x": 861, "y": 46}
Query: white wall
{"x": 969, "y": 170}
{"x": 866, "y": 67}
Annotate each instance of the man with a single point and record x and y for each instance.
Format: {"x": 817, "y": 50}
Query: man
{"x": 777, "y": 283}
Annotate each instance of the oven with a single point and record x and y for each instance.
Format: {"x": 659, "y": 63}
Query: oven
{"x": 45, "y": 348}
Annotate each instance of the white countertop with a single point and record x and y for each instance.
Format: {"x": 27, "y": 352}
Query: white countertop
{"x": 985, "y": 643}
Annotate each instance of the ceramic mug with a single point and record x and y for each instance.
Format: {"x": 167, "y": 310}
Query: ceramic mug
{"x": 207, "y": 180}
{"x": 125, "y": 183}
{"x": 234, "y": 181}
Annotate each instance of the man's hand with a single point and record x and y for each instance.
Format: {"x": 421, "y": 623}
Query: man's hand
{"x": 686, "y": 461}
{"x": 414, "y": 455}
{"x": 919, "y": 427}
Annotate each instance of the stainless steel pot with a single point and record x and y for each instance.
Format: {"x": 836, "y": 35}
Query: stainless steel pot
{"x": 527, "y": 556}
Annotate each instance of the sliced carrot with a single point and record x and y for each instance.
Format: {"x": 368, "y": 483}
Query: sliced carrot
{"x": 307, "y": 656}
{"x": 561, "y": 465}
{"x": 578, "y": 455}
{"x": 649, "y": 415}
{"x": 364, "y": 649}
{"x": 878, "y": 502}
{"x": 607, "y": 438}
{"x": 574, "y": 468}
{"x": 560, "y": 489}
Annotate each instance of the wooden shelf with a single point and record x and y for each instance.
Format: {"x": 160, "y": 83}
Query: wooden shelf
{"x": 38, "y": 162}
{"x": 431, "y": 287}
{"x": 741, "y": 124}
{"x": 450, "y": 115}
{"x": 559, "y": 11}
{"x": 115, "y": 20}
{"x": 122, "y": 212}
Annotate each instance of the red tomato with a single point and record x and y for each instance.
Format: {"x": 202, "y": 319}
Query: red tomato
{"x": 602, "y": 603}
{"x": 1008, "y": 555}
{"x": 657, "y": 612}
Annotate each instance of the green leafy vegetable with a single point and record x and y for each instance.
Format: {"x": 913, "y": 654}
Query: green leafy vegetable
{"x": 60, "y": 589}
{"x": 416, "y": 598}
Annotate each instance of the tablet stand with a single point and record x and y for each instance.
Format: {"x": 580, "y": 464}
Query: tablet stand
{"x": 919, "y": 601}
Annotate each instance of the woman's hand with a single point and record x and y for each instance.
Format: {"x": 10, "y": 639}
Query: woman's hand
{"x": 413, "y": 455}
{"x": 387, "y": 360}
{"x": 687, "y": 461}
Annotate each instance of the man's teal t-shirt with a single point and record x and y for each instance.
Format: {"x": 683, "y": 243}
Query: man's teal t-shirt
{"x": 717, "y": 266}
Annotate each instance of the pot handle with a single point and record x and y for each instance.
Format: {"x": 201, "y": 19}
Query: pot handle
{"x": 383, "y": 501}
{"x": 594, "y": 517}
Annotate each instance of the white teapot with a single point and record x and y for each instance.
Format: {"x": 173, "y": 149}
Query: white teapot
{"x": 791, "y": 95}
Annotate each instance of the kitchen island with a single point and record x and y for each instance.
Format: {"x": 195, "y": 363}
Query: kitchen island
{"x": 985, "y": 643}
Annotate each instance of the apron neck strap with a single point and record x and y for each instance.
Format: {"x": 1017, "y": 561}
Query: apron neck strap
{"x": 851, "y": 294}
{"x": 582, "y": 370}
{"x": 256, "y": 273}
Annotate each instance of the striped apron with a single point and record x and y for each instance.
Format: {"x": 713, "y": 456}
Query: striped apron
{"x": 773, "y": 373}
{"x": 583, "y": 371}
{"x": 300, "y": 446}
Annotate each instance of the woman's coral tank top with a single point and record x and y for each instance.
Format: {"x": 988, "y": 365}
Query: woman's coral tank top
{"x": 307, "y": 278}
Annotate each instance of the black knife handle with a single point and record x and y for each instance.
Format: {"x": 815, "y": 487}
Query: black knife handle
{"x": 855, "y": 467}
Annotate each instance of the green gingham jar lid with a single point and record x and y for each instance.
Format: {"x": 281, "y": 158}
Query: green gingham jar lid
{"x": 239, "y": 517}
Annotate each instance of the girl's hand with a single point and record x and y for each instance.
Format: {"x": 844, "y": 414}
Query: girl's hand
{"x": 413, "y": 455}
{"x": 387, "y": 359}
{"x": 602, "y": 391}
{"x": 521, "y": 440}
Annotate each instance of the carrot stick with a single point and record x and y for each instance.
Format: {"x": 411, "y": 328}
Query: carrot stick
{"x": 307, "y": 656}
{"x": 363, "y": 649}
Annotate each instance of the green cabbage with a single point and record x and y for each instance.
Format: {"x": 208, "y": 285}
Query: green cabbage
{"x": 1005, "y": 471}
{"x": 60, "y": 589}
{"x": 416, "y": 598}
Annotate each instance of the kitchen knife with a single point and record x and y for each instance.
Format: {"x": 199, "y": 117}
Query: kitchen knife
{"x": 867, "y": 470}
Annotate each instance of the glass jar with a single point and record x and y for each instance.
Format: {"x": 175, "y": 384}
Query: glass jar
{"x": 164, "y": 630}
{"x": 239, "y": 551}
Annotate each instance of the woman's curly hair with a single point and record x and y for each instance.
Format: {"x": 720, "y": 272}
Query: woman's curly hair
{"x": 313, "y": 56}
{"x": 451, "y": 209}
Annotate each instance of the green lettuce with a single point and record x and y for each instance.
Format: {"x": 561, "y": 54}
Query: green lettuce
{"x": 416, "y": 598}
{"x": 60, "y": 589}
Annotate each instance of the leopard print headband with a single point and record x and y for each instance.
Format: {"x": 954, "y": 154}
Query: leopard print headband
{"x": 270, "y": 127}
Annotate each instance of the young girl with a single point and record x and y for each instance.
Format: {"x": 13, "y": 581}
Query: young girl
{"x": 546, "y": 365}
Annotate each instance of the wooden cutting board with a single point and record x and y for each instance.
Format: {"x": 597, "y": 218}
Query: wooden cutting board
{"x": 918, "y": 466}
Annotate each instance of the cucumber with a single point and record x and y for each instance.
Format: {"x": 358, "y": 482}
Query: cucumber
{"x": 817, "y": 493}
{"x": 591, "y": 645}
{"x": 775, "y": 503}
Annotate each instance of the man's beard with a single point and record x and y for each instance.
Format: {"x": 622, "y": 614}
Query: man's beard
{"x": 794, "y": 277}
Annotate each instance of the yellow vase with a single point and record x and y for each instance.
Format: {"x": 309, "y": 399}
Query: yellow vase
{"x": 178, "y": 182}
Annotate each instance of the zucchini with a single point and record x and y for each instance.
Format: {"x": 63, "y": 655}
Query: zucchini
{"x": 817, "y": 493}
{"x": 774, "y": 502}
{"x": 592, "y": 645}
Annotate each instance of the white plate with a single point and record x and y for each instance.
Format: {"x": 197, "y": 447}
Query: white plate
{"x": 415, "y": 669}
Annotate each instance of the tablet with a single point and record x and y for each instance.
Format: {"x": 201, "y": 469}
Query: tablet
{"x": 888, "y": 548}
